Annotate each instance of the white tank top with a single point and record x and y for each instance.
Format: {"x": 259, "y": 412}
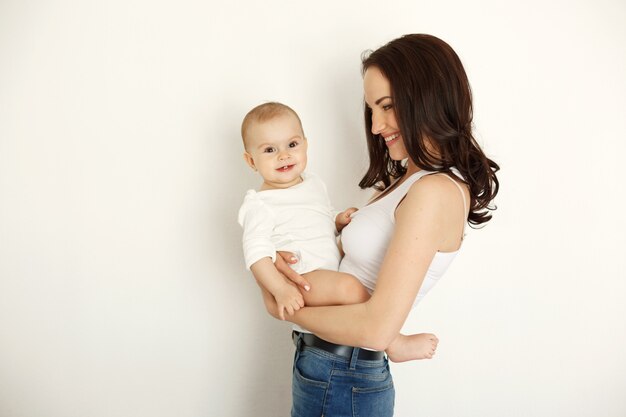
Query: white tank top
{"x": 366, "y": 238}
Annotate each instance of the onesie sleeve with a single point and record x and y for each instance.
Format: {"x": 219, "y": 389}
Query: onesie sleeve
{"x": 258, "y": 224}
{"x": 332, "y": 212}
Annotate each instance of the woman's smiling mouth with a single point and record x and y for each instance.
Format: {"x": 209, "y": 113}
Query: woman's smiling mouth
{"x": 390, "y": 140}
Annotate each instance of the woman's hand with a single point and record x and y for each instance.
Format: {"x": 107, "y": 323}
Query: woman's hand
{"x": 283, "y": 260}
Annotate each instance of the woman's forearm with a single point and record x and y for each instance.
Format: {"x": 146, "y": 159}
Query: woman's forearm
{"x": 353, "y": 325}
{"x": 375, "y": 323}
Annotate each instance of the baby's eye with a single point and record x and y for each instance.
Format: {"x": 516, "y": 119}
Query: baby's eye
{"x": 269, "y": 149}
{"x": 293, "y": 144}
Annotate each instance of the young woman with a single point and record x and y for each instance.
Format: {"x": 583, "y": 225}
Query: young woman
{"x": 433, "y": 178}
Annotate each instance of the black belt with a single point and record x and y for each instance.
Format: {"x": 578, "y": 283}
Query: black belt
{"x": 309, "y": 339}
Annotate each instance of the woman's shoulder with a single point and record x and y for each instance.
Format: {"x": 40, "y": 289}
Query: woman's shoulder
{"x": 436, "y": 193}
{"x": 435, "y": 204}
{"x": 437, "y": 185}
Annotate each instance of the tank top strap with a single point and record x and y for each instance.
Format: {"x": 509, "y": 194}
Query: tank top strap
{"x": 464, "y": 201}
{"x": 390, "y": 202}
{"x": 397, "y": 195}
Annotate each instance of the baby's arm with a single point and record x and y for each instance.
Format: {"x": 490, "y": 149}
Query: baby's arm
{"x": 287, "y": 295}
{"x": 258, "y": 225}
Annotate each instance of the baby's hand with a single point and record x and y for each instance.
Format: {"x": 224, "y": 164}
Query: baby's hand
{"x": 343, "y": 218}
{"x": 289, "y": 298}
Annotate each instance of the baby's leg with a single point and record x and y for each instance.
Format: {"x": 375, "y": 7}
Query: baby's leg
{"x": 339, "y": 288}
{"x": 415, "y": 346}
{"x": 333, "y": 288}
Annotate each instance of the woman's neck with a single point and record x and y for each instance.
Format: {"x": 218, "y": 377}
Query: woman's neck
{"x": 411, "y": 169}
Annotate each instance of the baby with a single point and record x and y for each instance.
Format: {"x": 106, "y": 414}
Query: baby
{"x": 292, "y": 212}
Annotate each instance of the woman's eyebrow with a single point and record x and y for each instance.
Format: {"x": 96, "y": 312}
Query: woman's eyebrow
{"x": 381, "y": 99}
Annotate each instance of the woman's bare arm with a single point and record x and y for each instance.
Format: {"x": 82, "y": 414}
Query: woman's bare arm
{"x": 418, "y": 235}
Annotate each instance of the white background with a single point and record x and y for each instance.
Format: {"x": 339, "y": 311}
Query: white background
{"x": 122, "y": 285}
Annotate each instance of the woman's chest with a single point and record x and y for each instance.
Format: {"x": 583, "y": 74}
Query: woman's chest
{"x": 366, "y": 238}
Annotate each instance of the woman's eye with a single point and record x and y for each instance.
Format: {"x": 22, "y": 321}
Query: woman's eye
{"x": 387, "y": 107}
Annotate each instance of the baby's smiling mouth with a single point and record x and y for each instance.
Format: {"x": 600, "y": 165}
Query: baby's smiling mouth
{"x": 285, "y": 168}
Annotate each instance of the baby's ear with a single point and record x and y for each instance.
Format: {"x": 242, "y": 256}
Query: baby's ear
{"x": 249, "y": 160}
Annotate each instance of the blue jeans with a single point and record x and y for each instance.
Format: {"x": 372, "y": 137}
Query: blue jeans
{"x": 333, "y": 386}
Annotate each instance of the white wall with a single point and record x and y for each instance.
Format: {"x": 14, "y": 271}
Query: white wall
{"x": 122, "y": 288}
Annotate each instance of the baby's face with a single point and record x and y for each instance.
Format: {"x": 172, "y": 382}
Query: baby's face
{"x": 277, "y": 149}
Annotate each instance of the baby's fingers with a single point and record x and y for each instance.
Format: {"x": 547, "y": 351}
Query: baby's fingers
{"x": 298, "y": 301}
{"x": 296, "y": 305}
{"x": 349, "y": 212}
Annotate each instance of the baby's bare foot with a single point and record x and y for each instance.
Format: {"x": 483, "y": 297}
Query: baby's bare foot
{"x": 412, "y": 347}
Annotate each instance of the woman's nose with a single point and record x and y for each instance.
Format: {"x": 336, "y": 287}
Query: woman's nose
{"x": 378, "y": 124}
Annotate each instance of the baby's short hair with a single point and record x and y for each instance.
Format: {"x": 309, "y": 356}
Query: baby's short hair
{"x": 265, "y": 112}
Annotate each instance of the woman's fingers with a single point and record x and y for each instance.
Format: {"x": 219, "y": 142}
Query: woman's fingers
{"x": 282, "y": 264}
{"x": 288, "y": 257}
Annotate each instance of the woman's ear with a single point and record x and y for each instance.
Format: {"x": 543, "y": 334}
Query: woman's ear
{"x": 249, "y": 160}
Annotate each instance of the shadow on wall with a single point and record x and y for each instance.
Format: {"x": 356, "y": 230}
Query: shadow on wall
{"x": 338, "y": 151}
{"x": 259, "y": 349}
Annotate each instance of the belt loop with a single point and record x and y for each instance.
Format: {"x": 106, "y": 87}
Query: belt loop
{"x": 354, "y": 357}
{"x": 299, "y": 342}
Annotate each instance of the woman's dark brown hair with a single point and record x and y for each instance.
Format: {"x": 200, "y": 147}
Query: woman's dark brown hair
{"x": 432, "y": 100}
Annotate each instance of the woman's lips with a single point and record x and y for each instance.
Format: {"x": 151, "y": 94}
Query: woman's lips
{"x": 391, "y": 139}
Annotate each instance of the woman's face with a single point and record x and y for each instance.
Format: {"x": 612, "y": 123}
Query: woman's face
{"x": 378, "y": 98}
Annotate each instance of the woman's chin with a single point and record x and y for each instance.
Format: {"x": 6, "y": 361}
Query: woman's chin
{"x": 398, "y": 156}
